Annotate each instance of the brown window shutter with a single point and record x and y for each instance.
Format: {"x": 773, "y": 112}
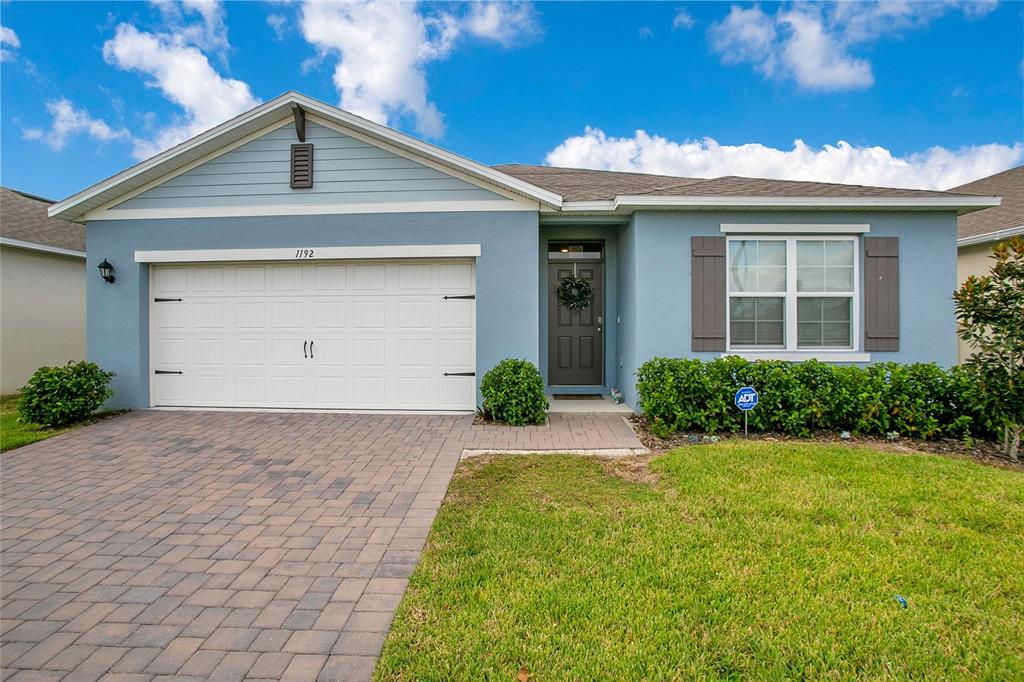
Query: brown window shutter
{"x": 882, "y": 293}
{"x": 707, "y": 293}
{"x": 302, "y": 166}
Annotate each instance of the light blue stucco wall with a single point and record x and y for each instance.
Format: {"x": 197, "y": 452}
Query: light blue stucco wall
{"x": 627, "y": 337}
{"x": 118, "y": 314}
{"x": 609, "y": 235}
{"x": 660, "y": 243}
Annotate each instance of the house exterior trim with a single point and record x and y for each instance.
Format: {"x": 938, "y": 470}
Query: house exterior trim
{"x": 996, "y": 236}
{"x": 42, "y": 248}
{"x": 315, "y": 253}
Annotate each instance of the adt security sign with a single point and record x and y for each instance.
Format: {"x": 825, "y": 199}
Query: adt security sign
{"x": 746, "y": 398}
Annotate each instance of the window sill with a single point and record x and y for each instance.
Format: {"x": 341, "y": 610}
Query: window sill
{"x": 800, "y": 356}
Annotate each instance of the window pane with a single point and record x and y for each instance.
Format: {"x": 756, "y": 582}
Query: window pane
{"x": 756, "y": 321}
{"x": 839, "y": 253}
{"x": 757, "y": 265}
{"x": 771, "y": 252}
{"x": 839, "y": 279}
{"x": 824, "y": 322}
{"x": 824, "y": 265}
{"x": 771, "y": 279}
{"x": 809, "y": 253}
{"x": 810, "y": 279}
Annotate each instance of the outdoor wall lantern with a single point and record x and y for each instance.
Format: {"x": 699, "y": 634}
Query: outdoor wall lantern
{"x": 106, "y": 271}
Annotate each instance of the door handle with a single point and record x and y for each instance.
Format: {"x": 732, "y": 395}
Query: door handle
{"x": 304, "y": 344}
{"x": 310, "y": 350}
{"x": 598, "y": 330}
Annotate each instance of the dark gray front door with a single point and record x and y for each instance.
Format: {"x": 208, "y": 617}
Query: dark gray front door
{"x": 576, "y": 337}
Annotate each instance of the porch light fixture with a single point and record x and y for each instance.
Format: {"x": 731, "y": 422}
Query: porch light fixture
{"x": 106, "y": 271}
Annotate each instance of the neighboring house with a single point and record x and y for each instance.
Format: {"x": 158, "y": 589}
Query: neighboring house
{"x": 300, "y": 256}
{"x": 42, "y": 289}
{"x": 979, "y": 232}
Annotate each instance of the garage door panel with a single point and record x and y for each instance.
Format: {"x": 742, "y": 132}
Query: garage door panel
{"x": 355, "y": 335}
{"x": 250, "y": 389}
{"x": 250, "y": 352}
{"x": 329, "y": 315}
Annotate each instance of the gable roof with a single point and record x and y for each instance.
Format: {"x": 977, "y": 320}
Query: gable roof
{"x": 998, "y": 222}
{"x": 256, "y": 120}
{"x": 24, "y": 223}
{"x": 558, "y": 190}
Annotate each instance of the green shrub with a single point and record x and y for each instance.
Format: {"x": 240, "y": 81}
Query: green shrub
{"x": 916, "y": 400}
{"x": 56, "y": 396}
{"x": 514, "y": 393}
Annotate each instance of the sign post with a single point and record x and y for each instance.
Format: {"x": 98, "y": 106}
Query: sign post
{"x": 746, "y": 400}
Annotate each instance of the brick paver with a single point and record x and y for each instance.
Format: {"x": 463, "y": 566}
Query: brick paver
{"x": 226, "y": 545}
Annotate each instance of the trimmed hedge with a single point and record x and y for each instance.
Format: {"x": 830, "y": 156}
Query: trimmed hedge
{"x": 915, "y": 400}
{"x": 513, "y": 393}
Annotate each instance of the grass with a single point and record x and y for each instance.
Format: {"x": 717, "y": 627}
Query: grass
{"x": 14, "y": 433}
{"x": 741, "y": 561}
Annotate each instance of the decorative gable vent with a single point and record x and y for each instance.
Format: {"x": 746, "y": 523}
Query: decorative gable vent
{"x": 302, "y": 166}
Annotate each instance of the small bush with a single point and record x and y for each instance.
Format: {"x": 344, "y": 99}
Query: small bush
{"x": 57, "y": 396}
{"x": 915, "y": 400}
{"x": 514, "y": 393}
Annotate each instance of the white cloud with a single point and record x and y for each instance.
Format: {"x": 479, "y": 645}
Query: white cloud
{"x": 69, "y": 121}
{"x": 645, "y": 33}
{"x": 934, "y": 168}
{"x": 816, "y": 60}
{"x": 682, "y": 20}
{"x": 812, "y": 44}
{"x": 279, "y": 23}
{"x": 383, "y": 47}
{"x": 506, "y": 23}
{"x": 209, "y": 35}
{"x": 184, "y": 76}
{"x": 9, "y": 44}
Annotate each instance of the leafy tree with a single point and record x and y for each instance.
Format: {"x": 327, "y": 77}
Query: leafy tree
{"x": 990, "y": 310}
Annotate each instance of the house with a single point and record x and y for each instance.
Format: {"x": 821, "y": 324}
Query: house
{"x": 42, "y": 289}
{"x": 979, "y": 232}
{"x": 298, "y": 256}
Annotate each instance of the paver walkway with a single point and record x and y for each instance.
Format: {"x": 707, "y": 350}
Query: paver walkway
{"x": 229, "y": 545}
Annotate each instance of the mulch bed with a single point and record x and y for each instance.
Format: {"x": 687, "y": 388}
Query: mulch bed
{"x": 985, "y": 452}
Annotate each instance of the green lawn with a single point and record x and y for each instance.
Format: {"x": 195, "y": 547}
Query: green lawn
{"x": 14, "y": 434}
{"x": 742, "y": 561}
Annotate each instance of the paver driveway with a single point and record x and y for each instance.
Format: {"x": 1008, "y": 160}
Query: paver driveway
{"x": 228, "y": 545}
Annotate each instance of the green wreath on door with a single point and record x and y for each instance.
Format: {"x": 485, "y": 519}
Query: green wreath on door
{"x": 574, "y": 292}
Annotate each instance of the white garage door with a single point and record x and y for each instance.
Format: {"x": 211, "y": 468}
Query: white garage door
{"x": 355, "y": 335}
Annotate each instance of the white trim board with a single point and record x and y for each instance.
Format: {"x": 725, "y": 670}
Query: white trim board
{"x": 794, "y": 356}
{"x": 498, "y": 205}
{"x": 302, "y": 253}
{"x": 765, "y": 228}
{"x": 43, "y": 248}
{"x": 996, "y": 236}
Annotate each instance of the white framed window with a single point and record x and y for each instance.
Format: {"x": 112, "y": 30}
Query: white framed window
{"x": 793, "y": 294}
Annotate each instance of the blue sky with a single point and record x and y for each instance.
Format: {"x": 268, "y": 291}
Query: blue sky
{"x": 924, "y": 94}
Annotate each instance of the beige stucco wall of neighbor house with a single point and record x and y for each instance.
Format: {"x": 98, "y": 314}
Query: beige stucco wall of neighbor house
{"x": 42, "y": 313}
{"x": 975, "y": 259}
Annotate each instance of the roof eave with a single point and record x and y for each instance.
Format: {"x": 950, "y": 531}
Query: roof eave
{"x": 996, "y": 236}
{"x": 624, "y": 204}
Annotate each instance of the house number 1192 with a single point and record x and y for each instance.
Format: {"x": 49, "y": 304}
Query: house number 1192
{"x": 303, "y": 253}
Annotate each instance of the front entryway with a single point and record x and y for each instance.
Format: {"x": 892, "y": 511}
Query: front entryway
{"x": 390, "y": 335}
{"x": 576, "y": 337}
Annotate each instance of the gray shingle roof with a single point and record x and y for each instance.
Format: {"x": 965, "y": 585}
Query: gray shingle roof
{"x": 577, "y": 184}
{"x": 23, "y": 217}
{"x": 1010, "y": 186}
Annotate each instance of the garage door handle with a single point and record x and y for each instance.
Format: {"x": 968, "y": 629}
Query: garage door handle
{"x": 166, "y": 300}
{"x": 166, "y": 371}
{"x": 460, "y": 374}
{"x": 304, "y": 344}
{"x": 310, "y": 350}
{"x": 469, "y": 297}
